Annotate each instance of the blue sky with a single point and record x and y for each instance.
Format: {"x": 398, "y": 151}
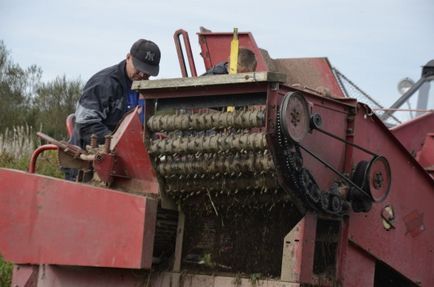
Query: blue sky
{"x": 375, "y": 43}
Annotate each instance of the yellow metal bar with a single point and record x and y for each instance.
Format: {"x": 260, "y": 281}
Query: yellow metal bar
{"x": 233, "y": 60}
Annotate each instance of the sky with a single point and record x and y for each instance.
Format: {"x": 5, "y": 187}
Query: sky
{"x": 375, "y": 43}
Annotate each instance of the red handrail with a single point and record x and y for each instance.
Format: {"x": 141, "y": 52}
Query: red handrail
{"x": 181, "y": 58}
{"x": 36, "y": 153}
{"x": 70, "y": 124}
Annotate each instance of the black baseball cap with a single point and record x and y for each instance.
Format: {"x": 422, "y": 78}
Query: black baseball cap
{"x": 146, "y": 57}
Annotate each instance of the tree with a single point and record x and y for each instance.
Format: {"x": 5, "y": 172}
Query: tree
{"x": 16, "y": 89}
{"x": 24, "y": 99}
{"x": 53, "y": 102}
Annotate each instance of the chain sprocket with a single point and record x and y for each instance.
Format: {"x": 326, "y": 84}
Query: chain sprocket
{"x": 292, "y": 125}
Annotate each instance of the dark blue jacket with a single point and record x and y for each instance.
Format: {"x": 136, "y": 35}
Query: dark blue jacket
{"x": 219, "y": 69}
{"x": 102, "y": 104}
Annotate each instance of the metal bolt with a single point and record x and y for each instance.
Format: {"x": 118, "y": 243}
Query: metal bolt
{"x": 388, "y": 216}
{"x": 316, "y": 121}
{"x": 93, "y": 141}
{"x": 98, "y": 157}
{"x": 294, "y": 118}
{"x": 378, "y": 180}
{"x": 108, "y": 140}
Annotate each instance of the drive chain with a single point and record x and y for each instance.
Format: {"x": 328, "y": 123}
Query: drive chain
{"x": 302, "y": 180}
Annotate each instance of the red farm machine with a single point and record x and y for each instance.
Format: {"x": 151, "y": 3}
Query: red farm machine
{"x": 296, "y": 185}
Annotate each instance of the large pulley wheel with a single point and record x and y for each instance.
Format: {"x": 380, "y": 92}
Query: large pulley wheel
{"x": 374, "y": 177}
{"x": 295, "y": 116}
{"x": 379, "y": 178}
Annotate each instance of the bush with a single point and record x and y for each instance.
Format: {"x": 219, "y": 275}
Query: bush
{"x": 17, "y": 142}
{"x": 5, "y": 273}
{"x": 16, "y": 147}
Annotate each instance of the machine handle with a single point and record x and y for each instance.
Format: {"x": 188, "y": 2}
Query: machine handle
{"x": 36, "y": 153}
{"x": 180, "y": 53}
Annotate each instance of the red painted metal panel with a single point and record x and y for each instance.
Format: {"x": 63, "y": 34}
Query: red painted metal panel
{"x": 25, "y": 276}
{"x": 65, "y": 276}
{"x": 358, "y": 268}
{"x": 50, "y": 221}
{"x": 408, "y": 248}
{"x": 216, "y": 48}
{"x": 303, "y": 249}
{"x": 331, "y": 112}
{"x": 426, "y": 155}
{"x": 412, "y": 133}
{"x": 132, "y": 157}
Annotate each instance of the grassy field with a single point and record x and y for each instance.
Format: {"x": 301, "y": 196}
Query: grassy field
{"x": 16, "y": 146}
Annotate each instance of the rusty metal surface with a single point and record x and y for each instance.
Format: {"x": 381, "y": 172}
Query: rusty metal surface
{"x": 55, "y": 276}
{"x": 209, "y": 81}
{"x": 264, "y": 183}
{"x": 208, "y": 120}
{"x": 193, "y": 280}
{"x": 298, "y": 251}
{"x": 47, "y": 220}
{"x": 238, "y": 89}
{"x": 212, "y": 143}
{"x": 315, "y": 73}
{"x": 66, "y": 160}
{"x": 217, "y": 163}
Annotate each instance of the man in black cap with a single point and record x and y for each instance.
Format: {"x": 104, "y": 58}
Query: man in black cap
{"x": 107, "y": 96}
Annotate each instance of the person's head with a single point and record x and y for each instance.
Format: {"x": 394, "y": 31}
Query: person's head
{"x": 246, "y": 61}
{"x": 143, "y": 60}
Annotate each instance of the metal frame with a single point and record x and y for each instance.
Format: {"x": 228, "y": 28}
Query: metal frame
{"x": 405, "y": 97}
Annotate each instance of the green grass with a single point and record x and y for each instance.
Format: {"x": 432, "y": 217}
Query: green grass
{"x": 46, "y": 164}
